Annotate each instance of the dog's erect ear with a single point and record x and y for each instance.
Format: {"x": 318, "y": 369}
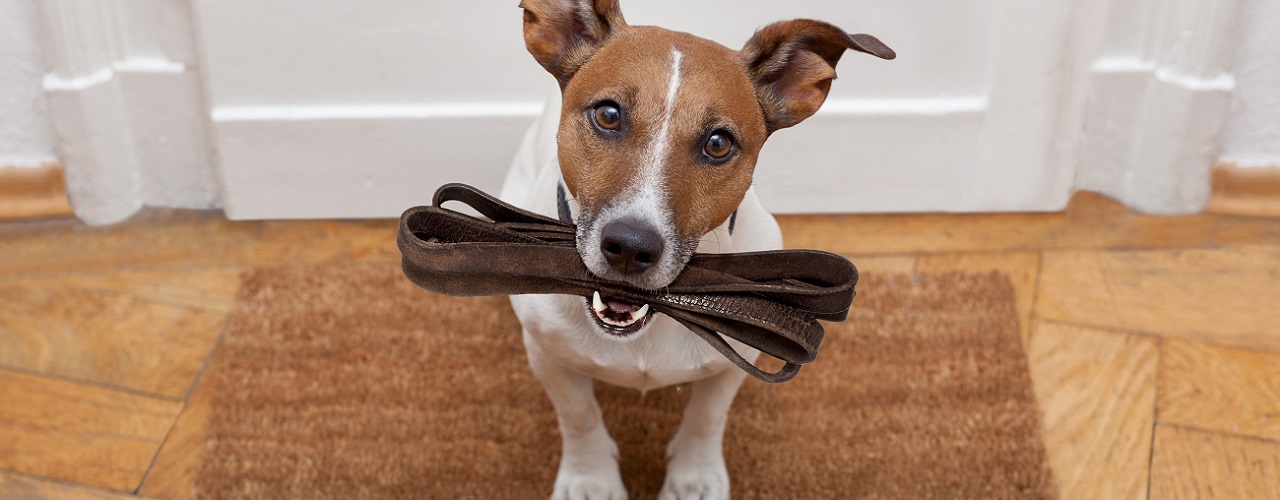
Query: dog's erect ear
{"x": 563, "y": 34}
{"x": 793, "y": 63}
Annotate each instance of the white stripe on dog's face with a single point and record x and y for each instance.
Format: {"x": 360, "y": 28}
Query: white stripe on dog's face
{"x": 647, "y": 198}
{"x": 650, "y": 184}
{"x": 651, "y": 168}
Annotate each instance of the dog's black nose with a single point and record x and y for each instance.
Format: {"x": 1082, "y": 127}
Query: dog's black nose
{"x": 630, "y": 245}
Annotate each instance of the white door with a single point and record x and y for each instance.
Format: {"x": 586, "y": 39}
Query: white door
{"x": 335, "y": 108}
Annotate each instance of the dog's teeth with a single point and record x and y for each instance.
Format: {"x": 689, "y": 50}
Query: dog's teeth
{"x": 597, "y": 303}
{"x": 611, "y": 321}
{"x": 601, "y": 310}
{"x": 639, "y": 313}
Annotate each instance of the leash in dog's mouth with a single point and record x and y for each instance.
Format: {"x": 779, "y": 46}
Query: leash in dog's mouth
{"x": 771, "y": 301}
{"x": 617, "y": 316}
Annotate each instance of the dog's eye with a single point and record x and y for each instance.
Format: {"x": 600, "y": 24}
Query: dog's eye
{"x": 608, "y": 116}
{"x": 718, "y": 145}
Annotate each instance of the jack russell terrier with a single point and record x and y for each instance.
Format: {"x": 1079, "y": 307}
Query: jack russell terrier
{"x": 651, "y": 154}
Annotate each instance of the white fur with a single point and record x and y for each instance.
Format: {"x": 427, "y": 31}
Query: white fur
{"x": 566, "y": 351}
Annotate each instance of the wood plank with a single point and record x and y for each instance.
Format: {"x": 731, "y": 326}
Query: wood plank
{"x": 1090, "y": 222}
{"x": 164, "y": 239}
{"x": 33, "y": 192}
{"x": 1220, "y": 389}
{"x": 1097, "y": 390}
{"x": 883, "y": 264}
{"x": 1245, "y": 191}
{"x": 104, "y": 337}
{"x": 1022, "y": 268}
{"x": 79, "y": 433}
{"x": 170, "y": 240}
{"x": 31, "y": 182}
{"x": 1189, "y": 463}
{"x": 210, "y": 290}
{"x": 1219, "y": 296}
{"x": 13, "y": 486}
{"x": 35, "y": 208}
{"x": 174, "y": 473}
{"x": 1245, "y": 206}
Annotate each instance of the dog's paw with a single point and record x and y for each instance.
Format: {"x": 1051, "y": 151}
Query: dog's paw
{"x": 700, "y": 476}
{"x": 599, "y": 485}
{"x": 589, "y": 469}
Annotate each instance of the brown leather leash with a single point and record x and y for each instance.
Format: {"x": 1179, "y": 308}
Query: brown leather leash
{"x": 768, "y": 300}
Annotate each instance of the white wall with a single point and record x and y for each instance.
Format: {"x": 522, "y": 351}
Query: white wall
{"x": 1252, "y": 135}
{"x": 26, "y": 138}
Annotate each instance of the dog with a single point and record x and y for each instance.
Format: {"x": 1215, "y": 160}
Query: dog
{"x": 650, "y": 149}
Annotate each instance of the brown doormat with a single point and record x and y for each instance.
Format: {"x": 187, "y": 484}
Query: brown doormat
{"x": 349, "y": 382}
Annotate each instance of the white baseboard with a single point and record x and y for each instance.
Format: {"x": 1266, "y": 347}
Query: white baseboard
{"x": 356, "y": 162}
{"x": 125, "y": 99}
{"x": 850, "y": 161}
{"x": 1146, "y": 133}
{"x": 132, "y": 136}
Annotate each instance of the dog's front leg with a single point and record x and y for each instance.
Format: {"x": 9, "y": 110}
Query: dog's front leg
{"x": 695, "y": 456}
{"x": 589, "y": 457}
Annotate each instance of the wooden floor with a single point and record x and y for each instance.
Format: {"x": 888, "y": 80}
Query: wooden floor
{"x": 1154, "y": 342}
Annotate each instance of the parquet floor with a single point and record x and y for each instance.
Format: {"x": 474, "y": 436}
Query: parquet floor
{"x": 1154, "y": 342}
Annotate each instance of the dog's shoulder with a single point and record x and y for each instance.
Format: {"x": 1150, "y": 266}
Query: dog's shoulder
{"x": 534, "y": 170}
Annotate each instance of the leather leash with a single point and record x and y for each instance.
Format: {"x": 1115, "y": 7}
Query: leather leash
{"x": 768, "y": 300}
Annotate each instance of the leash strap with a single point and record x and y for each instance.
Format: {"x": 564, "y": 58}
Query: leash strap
{"x": 771, "y": 301}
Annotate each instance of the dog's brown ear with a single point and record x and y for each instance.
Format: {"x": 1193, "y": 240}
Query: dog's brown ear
{"x": 793, "y": 63}
{"x": 563, "y": 34}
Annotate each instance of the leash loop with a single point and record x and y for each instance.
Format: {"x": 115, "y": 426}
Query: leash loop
{"x": 771, "y": 300}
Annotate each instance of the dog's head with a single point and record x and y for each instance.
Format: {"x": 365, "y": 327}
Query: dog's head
{"x": 660, "y": 130}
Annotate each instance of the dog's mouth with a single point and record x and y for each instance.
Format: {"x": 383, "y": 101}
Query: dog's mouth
{"x": 618, "y": 317}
